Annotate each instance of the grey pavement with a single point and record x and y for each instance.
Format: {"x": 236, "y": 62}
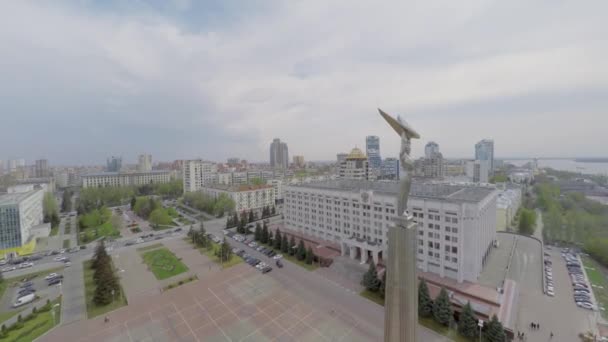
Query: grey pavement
{"x": 494, "y": 271}
{"x": 345, "y": 272}
{"x": 135, "y": 278}
{"x": 74, "y": 302}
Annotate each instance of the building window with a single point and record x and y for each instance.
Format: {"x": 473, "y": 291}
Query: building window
{"x": 454, "y": 259}
{"x": 454, "y": 230}
{"x": 454, "y": 250}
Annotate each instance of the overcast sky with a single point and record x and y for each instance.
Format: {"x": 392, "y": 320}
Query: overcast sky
{"x": 83, "y": 80}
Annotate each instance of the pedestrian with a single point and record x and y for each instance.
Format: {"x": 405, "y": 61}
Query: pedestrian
{"x": 551, "y": 336}
{"x": 537, "y": 325}
{"x": 106, "y": 319}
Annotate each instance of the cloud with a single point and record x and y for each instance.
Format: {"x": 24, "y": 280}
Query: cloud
{"x": 210, "y": 79}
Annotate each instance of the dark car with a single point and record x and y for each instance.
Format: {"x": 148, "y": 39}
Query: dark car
{"x": 279, "y": 264}
{"x": 55, "y": 281}
{"x": 266, "y": 269}
{"x": 158, "y": 238}
{"x": 271, "y": 254}
{"x": 24, "y": 292}
{"x": 27, "y": 284}
{"x": 177, "y": 230}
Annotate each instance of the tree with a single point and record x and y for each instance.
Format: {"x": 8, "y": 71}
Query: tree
{"x": 224, "y": 253}
{"x": 309, "y": 256}
{"x": 494, "y": 332}
{"x": 100, "y": 256}
{"x": 273, "y": 211}
{"x": 264, "y": 237}
{"x": 257, "y": 235}
{"x": 160, "y": 217}
{"x": 270, "y": 238}
{"x": 251, "y": 217}
{"x": 285, "y": 244}
{"x": 467, "y": 326}
{"x": 292, "y": 243}
{"x": 442, "y": 308}
{"x": 133, "y": 202}
{"x": 382, "y": 289}
{"x": 1, "y": 278}
{"x": 527, "y": 221}
{"x": 301, "y": 253}
{"x": 278, "y": 239}
{"x": 370, "y": 278}
{"x": 425, "y": 303}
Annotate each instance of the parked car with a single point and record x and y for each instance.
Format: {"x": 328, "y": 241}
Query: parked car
{"x": 279, "y": 263}
{"x": 55, "y": 281}
{"x": 266, "y": 269}
{"x": 24, "y": 300}
{"x": 51, "y": 276}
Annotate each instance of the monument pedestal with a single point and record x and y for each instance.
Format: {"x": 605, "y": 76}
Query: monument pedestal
{"x": 401, "y": 295}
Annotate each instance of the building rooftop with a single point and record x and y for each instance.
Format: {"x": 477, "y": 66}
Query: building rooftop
{"x": 100, "y": 174}
{"x": 238, "y": 187}
{"x": 445, "y": 191}
{"x": 14, "y": 198}
{"x": 356, "y": 154}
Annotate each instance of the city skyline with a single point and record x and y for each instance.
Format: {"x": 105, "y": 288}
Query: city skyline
{"x": 180, "y": 81}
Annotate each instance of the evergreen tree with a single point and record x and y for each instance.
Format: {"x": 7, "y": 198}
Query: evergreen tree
{"x": 1, "y": 278}
{"x": 467, "y": 326}
{"x": 273, "y": 212}
{"x": 244, "y": 217}
{"x": 270, "y": 238}
{"x": 133, "y": 201}
{"x": 284, "y": 244}
{"x": 301, "y": 254}
{"x": 228, "y": 222}
{"x": 425, "y": 303}
{"x": 257, "y": 235}
{"x": 264, "y": 238}
{"x": 66, "y": 202}
{"x": 382, "y": 289}
{"x": 442, "y": 308}
{"x": 292, "y": 243}
{"x": 224, "y": 253}
{"x": 494, "y": 332}
{"x": 309, "y": 256}
{"x": 235, "y": 219}
{"x": 278, "y": 239}
{"x": 251, "y": 216}
{"x": 370, "y": 278}
{"x": 100, "y": 255}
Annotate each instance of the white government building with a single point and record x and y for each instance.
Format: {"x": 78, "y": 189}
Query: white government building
{"x": 102, "y": 179}
{"x": 20, "y": 213}
{"x": 245, "y": 197}
{"x": 457, "y": 223}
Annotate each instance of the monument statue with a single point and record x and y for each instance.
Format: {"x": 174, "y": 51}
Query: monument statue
{"x": 401, "y": 288}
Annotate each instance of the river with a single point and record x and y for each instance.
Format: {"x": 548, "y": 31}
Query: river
{"x": 566, "y": 165}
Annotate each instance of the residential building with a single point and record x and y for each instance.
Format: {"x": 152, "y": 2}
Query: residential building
{"x": 19, "y": 214}
{"x": 340, "y": 157}
{"x": 507, "y": 204}
{"x": 41, "y": 168}
{"x": 355, "y": 166}
{"x": 456, "y": 223}
{"x": 277, "y": 186}
{"x": 246, "y": 197}
{"x": 103, "y": 179}
{"x": 279, "y": 154}
{"x": 431, "y": 148}
{"x": 114, "y": 164}
{"x": 15, "y": 165}
{"x": 372, "y": 148}
{"x": 390, "y": 168}
{"x": 433, "y": 166}
{"x": 198, "y": 173}
{"x": 144, "y": 163}
{"x": 478, "y": 171}
{"x": 298, "y": 161}
{"x": 233, "y": 161}
{"x": 484, "y": 150}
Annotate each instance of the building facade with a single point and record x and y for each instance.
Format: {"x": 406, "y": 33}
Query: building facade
{"x": 372, "y": 149}
{"x": 340, "y": 157}
{"x": 298, "y": 161}
{"x": 507, "y": 204}
{"x": 103, "y": 179}
{"x": 245, "y": 197}
{"x": 198, "y": 173}
{"x": 114, "y": 164}
{"x": 478, "y": 171}
{"x": 41, "y": 168}
{"x": 431, "y": 148}
{"x": 456, "y": 223}
{"x": 279, "y": 154}
{"x": 432, "y": 166}
{"x": 390, "y": 168}
{"x": 144, "y": 163}
{"x": 484, "y": 150}
{"x": 19, "y": 213}
{"x": 355, "y": 166}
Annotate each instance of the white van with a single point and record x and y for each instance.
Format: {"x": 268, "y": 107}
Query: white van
{"x": 24, "y": 300}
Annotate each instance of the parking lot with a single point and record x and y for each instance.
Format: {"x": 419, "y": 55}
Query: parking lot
{"x": 39, "y": 286}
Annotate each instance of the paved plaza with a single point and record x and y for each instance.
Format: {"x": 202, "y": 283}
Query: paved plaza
{"x": 238, "y": 304}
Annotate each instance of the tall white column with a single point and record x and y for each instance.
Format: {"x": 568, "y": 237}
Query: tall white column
{"x": 364, "y": 255}
{"x": 353, "y": 252}
{"x": 376, "y": 257}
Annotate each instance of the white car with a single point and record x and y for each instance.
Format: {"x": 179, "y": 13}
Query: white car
{"x": 584, "y": 305}
{"x": 50, "y": 276}
{"x": 59, "y": 258}
{"x": 550, "y": 288}
{"x": 3, "y": 262}
{"x": 61, "y": 251}
{"x": 26, "y": 264}
{"x": 278, "y": 256}
{"x": 67, "y": 264}
{"x": 550, "y": 293}
{"x": 8, "y": 269}
{"x": 549, "y": 277}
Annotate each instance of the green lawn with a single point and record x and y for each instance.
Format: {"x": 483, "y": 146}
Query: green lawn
{"x": 106, "y": 229}
{"x": 89, "y": 288}
{"x": 600, "y": 290}
{"x": 163, "y": 263}
{"x": 36, "y": 326}
{"x": 10, "y": 281}
{"x": 6, "y": 315}
{"x": 147, "y": 248}
{"x": 373, "y": 296}
{"x": 210, "y": 253}
{"x": 66, "y": 243}
{"x": 442, "y": 330}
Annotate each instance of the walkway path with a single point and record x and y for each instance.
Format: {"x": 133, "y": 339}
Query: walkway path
{"x": 538, "y": 232}
{"x": 74, "y": 302}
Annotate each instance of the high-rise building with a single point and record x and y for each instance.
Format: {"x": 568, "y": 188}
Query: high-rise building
{"x": 390, "y": 168}
{"x": 279, "y": 154}
{"x": 433, "y": 166}
{"x": 430, "y": 149}
{"x": 484, "y": 150}
{"x": 114, "y": 164}
{"x": 340, "y": 157}
{"x": 198, "y": 173}
{"x": 478, "y": 171}
{"x": 233, "y": 161}
{"x": 372, "y": 148}
{"x": 1, "y": 167}
{"x": 19, "y": 213}
{"x": 456, "y": 223}
{"x": 15, "y": 165}
{"x": 144, "y": 163}
{"x": 355, "y": 166}
{"x": 41, "y": 168}
{"x": 299, "y": 161}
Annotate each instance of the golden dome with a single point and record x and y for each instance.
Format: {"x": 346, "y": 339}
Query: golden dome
{"x": 356, "y": 154}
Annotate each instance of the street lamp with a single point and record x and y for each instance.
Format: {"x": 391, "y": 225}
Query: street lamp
{"x": 480, "y": 325}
